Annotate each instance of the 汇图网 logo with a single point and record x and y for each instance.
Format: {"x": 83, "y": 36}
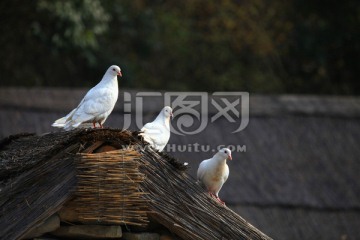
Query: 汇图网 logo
{"x": 193, "y": 111}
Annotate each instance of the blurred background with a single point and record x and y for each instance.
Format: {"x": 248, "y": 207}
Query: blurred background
{"x": 258, "y": 46}
{"x": 299, "y": 60}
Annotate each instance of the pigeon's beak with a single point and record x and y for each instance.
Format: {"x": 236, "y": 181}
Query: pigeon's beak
{"x": 230, "y": 157}
{"x": 171, "y": 115}
{"x": 119, "y": 74}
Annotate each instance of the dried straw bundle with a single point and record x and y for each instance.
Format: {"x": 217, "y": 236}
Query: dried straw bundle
{"x": 108, "y": 188}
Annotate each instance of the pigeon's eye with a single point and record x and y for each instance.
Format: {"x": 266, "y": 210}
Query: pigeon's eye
{"x": 113, "y": 69}
{"x": 225, "y": 151}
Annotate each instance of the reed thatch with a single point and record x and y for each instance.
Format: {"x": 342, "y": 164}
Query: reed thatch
{"x": 108, "y": 189}
{"x": 185, "y": 208}
{"x": 28, "y": 198}
{"x": 172, "y": 197}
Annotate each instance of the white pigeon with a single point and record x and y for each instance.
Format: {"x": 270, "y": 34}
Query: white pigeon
{"x": 157, "y": 132}
{"x": 97, "y": 104}
{"x": 214, "y": 172}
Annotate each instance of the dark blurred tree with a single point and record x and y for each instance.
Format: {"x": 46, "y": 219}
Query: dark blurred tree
{"x": 323, "y": 52}
{"x": 199, "y": 45}
{"x": 49, "y": 43}
{"x": 257, "y": 46}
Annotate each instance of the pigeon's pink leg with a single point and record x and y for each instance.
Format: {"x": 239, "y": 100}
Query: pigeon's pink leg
{"x": 217, "y": 198}
{"x": 101, "y": 126}
{"x": 94, "y": 124}
{"x": 221, "y": 201}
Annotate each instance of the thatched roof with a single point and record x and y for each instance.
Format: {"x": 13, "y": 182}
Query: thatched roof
{"x": 29, "y": 188}
{"x": 301, "y": 162}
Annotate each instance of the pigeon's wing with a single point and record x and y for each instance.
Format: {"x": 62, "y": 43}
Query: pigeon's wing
{"x": 153, "y": 129}
{"x": 154, "y": 133}
{"x": 93, "y": 104}
{"x": 61, "y": 122}
{"x": 202, "y": 170}
{"x": 146, "y": 136}
{"x": 226, "y": 173}
{"x": 223, "y": 180}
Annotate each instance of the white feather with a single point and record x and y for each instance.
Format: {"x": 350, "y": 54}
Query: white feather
{"x": 157, "y": 132}
{"x": 214, "y": 172}
{"x": 97, "y": 104}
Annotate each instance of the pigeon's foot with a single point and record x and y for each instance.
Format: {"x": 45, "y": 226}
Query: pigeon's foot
{"x": 217, "y": 198}
{"x": 220, "y": 201}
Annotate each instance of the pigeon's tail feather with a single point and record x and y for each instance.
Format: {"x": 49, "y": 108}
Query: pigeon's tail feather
{"x": 143, "y": 134}
{"x": 71, "y": 125}
{"x": 68, "y": 127}
{"x": 60, "y": 123}
{"x": 147, "y": 138}
{"x": 75, "y": 125}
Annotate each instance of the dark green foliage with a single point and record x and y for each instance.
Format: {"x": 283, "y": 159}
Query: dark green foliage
{"x": 257, "y": 46}
{"x": 50, "y": 43}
